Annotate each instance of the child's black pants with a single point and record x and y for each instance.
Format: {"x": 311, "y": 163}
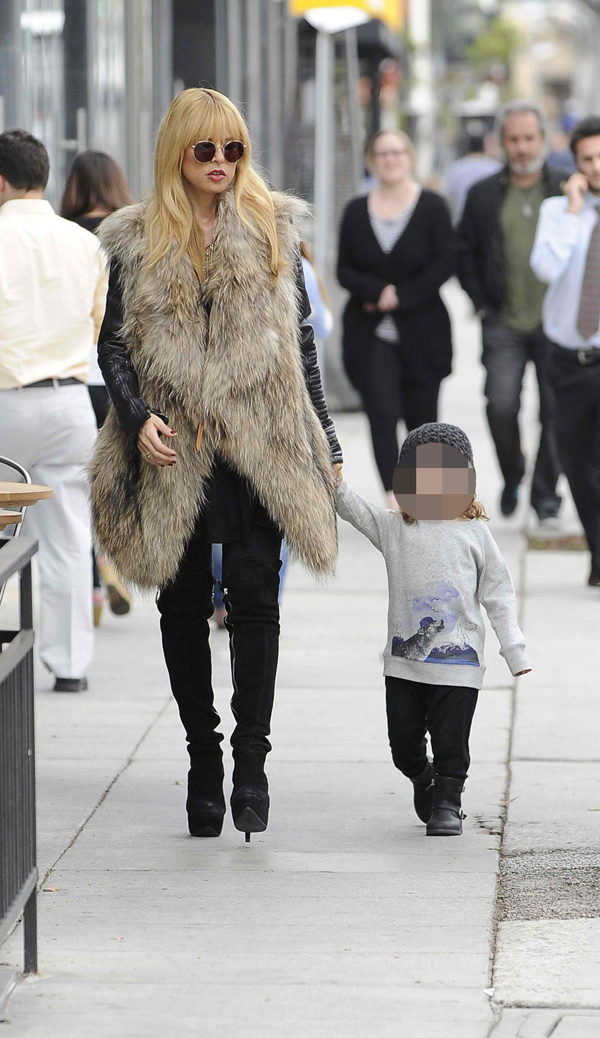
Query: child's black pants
{"x": 445, "y": 711}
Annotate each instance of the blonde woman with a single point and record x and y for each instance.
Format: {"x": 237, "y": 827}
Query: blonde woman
{"x": 218, "y": 433}
{"x": 397, "y": 248}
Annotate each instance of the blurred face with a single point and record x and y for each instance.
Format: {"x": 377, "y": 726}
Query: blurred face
{"x": 434, "y": 481}
{"x": 210, "y": 178}
{"x": 588, "y": 161}
{"x": 391, "y": 160}
{"x": 523, "y": 142}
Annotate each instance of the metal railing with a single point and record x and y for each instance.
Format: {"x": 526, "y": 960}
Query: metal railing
{"x": 18, "y": 870}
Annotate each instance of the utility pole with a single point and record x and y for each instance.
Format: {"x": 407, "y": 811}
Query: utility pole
{"x": 422, "y": 96}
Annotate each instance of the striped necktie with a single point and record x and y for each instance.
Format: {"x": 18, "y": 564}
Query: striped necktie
{"x": 588, "y": 316}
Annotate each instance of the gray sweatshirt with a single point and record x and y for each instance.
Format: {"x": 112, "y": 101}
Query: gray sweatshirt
{"x": 439, "y": 575}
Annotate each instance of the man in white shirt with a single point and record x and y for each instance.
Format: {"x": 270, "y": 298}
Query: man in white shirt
{"x": 566, "y": 254}
{"x": 52, "y": 296}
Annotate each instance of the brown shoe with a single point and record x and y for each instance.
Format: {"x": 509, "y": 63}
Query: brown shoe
{"x": 119, "y": 598}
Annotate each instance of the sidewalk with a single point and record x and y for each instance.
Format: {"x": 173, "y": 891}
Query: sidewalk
{"x": 342, "y": 919}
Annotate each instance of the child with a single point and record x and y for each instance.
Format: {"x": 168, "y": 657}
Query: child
{"x": 439, "y": 572}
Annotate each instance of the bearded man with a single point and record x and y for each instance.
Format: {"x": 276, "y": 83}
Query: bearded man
{"x": 497, "y": 233}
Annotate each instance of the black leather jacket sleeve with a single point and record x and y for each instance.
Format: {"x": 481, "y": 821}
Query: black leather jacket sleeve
{"x": 312, "y": 374}
{"x": 122, "y": 381}
{"x": 115, "y": 363}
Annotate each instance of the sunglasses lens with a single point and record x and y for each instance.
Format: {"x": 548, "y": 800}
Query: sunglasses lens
{"x": 204, "y": 151}
{"x": 233, "y": 151}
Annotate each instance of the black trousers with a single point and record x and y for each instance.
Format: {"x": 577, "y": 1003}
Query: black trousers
{"x": 389, "y": 394}
{"x": 577, "y": 389}
{"x": 445, "y": 711}
{"x": 506, "y": 353}
{"x": 250, "y": 584}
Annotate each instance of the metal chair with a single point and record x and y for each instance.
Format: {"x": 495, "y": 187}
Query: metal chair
{"x": 23, "y": 509}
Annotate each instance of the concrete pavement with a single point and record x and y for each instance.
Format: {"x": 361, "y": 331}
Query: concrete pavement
{"x": 342, "y": 919}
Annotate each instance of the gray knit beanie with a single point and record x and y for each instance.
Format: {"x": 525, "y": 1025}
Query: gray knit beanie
{"x": 438, "y": 432}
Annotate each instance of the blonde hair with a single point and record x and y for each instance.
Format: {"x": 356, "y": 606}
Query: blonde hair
{"x": 474, "y": 511}
{"x": 200, "y": 114}
{"x": 403, "y": 137}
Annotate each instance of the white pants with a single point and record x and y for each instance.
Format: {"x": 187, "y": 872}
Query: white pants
{"x": 51, "y": 432}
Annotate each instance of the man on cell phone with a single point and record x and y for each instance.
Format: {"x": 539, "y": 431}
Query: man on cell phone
{"x": 566, "y": 254}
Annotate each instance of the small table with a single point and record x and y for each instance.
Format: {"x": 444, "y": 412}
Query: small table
{"x": 19, "y": 495}
{"x": 22, "y": 493}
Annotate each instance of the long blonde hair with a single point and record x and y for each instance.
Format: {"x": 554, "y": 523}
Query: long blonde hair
{"x": 200, "y": 114}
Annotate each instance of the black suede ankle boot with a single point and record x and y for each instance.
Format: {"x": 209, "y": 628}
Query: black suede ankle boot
{"x": 205, "y": 803}
{"x": 446, "y": 817}
{"x": 250, "y": 796}
{"x": 423, "y": 792}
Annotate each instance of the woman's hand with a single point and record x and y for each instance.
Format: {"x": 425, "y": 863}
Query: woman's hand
{"x": 388, "y": 300}
{"x": 520, "y": 673}
{"x": 337, "y": 468}
{"x": 150, "y": 445}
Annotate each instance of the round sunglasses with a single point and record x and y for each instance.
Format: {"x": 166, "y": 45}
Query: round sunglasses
{"x": 205, "y": 151}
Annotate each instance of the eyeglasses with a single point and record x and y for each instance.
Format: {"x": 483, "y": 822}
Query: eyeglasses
{"x": 205, "y": 151}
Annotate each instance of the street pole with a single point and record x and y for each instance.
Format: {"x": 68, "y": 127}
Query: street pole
{"x": 422, "y": 97}
{"x": 323, "y": 185}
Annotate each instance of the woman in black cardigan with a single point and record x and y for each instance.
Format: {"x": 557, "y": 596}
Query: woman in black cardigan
{"x": 397, "y": 247}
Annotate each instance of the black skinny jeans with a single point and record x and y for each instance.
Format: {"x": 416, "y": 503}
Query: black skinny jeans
{"x": 250, "y": 584}
{"x": 445, "y": 711}
{"x": 388, "y": 395}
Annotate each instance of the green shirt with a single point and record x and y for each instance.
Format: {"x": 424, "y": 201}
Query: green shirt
{"x": 525, "y": 294}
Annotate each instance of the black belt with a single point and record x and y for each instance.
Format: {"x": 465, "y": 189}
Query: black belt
{"x": 590, "y": 355}
{"x": 49, "y": 383}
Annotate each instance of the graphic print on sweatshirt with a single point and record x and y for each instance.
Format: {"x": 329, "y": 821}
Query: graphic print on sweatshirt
{"x": 441, "y": 632}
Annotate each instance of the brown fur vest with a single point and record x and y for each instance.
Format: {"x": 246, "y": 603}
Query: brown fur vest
{"x": 240, "y": 372}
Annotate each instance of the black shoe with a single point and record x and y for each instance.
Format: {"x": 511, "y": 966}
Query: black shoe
{"x": 205, "y": 804}
{"x": 250, "y": 797}
{"x": 446, "y": 817}
{"x": 509, "y": 499}
{"x": 70, "y": 685}
{"x": 594, "y": 578}
{"x": 423, "y": 792}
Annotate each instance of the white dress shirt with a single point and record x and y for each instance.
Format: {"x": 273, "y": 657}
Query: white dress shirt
{"x": 53, "y": 284}
{"x": 558, "y": 257}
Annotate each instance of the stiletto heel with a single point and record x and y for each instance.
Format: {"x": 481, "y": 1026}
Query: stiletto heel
{"x": 250, "y": 810}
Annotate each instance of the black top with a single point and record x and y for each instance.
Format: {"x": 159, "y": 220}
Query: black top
{"x": 89, "y": 223}
{"x": 231, "y": 508}
{"x": 423, "y": 258}
{"x": 482, "y": 264}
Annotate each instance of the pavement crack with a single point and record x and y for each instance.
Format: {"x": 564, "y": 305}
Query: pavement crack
{"x": 102, "y": 798}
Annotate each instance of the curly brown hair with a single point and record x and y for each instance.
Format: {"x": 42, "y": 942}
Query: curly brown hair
{"x": 474, "y": 511}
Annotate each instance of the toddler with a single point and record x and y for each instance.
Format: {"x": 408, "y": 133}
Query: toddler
{"x": 442, "y": 565}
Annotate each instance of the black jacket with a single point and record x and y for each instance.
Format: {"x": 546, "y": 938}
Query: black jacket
{"x": 122, "y": 381}
{"x": 422, "y": 259}
{"x": 482, "y": 268}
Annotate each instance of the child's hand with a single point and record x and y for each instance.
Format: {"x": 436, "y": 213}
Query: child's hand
{"x": 521, "y": 672}
{"x": 337, "y": 468}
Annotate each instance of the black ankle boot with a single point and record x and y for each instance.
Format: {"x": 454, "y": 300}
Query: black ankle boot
{"x": 446, "y": 818}
{"x": 423, "y": 792}
{"x": 205, "y": 803}
{"x": 250, "y": 796}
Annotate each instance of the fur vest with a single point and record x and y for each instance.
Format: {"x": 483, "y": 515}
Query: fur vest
{"x": 239, "y": 371}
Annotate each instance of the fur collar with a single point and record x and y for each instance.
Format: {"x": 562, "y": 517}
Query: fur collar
{"x": 239, "y": 371}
